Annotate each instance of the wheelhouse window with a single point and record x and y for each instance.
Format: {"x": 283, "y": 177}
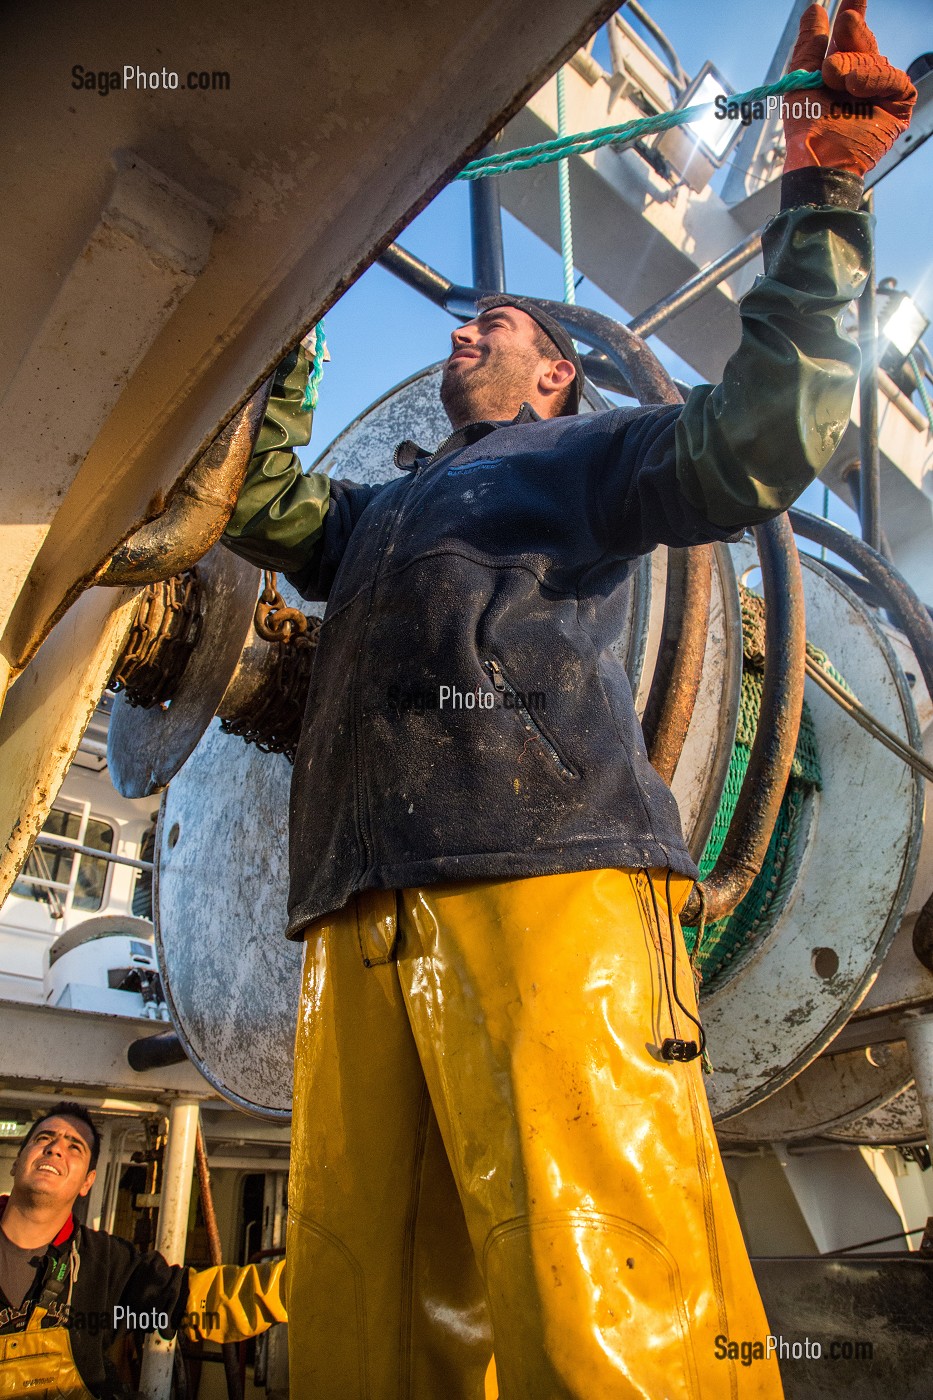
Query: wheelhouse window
{"x": 52, "y": 874}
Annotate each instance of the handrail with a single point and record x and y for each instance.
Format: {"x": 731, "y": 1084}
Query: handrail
{"x": 65, "y": 843}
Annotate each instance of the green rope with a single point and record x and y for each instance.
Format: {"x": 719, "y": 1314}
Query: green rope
{"x": 563, "y": 188}
{"x": 924, "y": 396}
{"x": 314, "y": 378}
{"x": 727, "y": 938}
{"x": 625, "y": 134}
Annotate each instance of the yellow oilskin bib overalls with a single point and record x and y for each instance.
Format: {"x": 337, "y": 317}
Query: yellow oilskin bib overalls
{"x": 489, "y": 1152}
{"x": 38, "y": 1361}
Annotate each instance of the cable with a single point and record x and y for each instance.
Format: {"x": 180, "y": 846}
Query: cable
{"x": 689, "y": 1014}
{"x": 881, "y": 1239}
{"x": 657, "y": 923}
{"x": 853, "y": 707}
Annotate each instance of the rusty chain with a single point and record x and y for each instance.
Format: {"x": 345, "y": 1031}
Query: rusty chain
{"x": 274, "y": 620}
{"x": 163, "y": 635}
{"x": 273, "y": 719}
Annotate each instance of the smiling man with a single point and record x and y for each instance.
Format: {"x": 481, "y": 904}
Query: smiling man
{"x": 511, "y": 354}
{"x": 67, "y": 1291}
{"x": 500, "y": 1134}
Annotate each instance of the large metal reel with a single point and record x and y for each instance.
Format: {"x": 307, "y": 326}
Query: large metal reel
{"x": 147, "y": 747}
{"x": 831, "y": 1094}
{"x": 896, "y": 1123}
{"x": 790, "y": 994}
{"x": 231, "y": 979}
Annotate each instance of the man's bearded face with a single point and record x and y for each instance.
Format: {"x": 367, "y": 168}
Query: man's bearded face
{"x": 493, "y": 368}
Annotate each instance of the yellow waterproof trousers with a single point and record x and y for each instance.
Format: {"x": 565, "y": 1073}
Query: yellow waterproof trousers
{"x": 488, "y": 1151}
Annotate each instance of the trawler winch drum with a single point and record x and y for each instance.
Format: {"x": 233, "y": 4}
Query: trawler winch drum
{"x": 831, "y": 1095}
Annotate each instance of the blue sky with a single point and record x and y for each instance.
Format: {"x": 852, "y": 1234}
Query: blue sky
{"x": 380, "y": 331}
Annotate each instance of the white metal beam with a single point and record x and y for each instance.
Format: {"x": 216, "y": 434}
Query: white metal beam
{"x": 50, "y": 1047}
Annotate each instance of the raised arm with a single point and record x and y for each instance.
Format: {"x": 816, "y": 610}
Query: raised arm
{"x": 747, "y": 448}
{"x": 743, "y": 451}
{"x": 286, "y": 519}
{"x": 227, "y": 1303}
{"x": 279, "y": 516}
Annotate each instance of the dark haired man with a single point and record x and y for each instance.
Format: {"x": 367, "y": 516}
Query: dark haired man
{"x": 488, "y": 1143}
{"x": 66, "y": 1291}
{"x": 489, "y": 372}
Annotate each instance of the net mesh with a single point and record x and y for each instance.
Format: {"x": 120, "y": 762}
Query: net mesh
{"x": 724, "y": 940}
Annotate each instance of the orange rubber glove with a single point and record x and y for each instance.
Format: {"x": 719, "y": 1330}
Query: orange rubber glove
{"x": 854, "y": 72}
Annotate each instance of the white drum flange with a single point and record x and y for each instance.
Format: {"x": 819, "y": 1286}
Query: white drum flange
{"x": 232, "y": 979}
{"x": 788, "y": 996}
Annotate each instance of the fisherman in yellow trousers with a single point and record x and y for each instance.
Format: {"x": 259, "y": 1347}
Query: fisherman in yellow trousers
{"x": 501, "y": 1137}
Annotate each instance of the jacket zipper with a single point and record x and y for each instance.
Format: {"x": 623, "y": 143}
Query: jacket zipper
{"x": 504, "y": 686}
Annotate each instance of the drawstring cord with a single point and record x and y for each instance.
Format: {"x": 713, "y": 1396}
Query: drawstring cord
{"x": 675, "y": 1048}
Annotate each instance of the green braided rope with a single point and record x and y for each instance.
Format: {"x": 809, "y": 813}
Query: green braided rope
{"x": 314, "y": 378}
{"x": 924, "y": 396}
{"x": 727, "y": 938}
{"x": 625, "y": 134}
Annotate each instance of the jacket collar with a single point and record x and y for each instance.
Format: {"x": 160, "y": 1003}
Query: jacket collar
{"x": 64, "y": 1233}
{"x": 409, "y": 455}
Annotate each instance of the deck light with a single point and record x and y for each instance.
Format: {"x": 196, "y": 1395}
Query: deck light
{"x": 901, "y": 323}
{"x": 14, "y": 1127}
{"x": 901, "y": 326}
{"x": 696, "y": 150}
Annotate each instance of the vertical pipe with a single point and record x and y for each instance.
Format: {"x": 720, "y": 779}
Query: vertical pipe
{"x": 919, "y": 1035}
{"x": 486, "y": 233}
{"x": 268, "y": 1208}
{"x": 229, "y": 1350}
{"x": 99, "y": 1193}
{"x": 870, "y": 483}
{"x": 563, "y": 190}
{"x": 158, "y": 1354}
{"x": 109, "y": 1208}
{"x": 278, "y": 1214}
